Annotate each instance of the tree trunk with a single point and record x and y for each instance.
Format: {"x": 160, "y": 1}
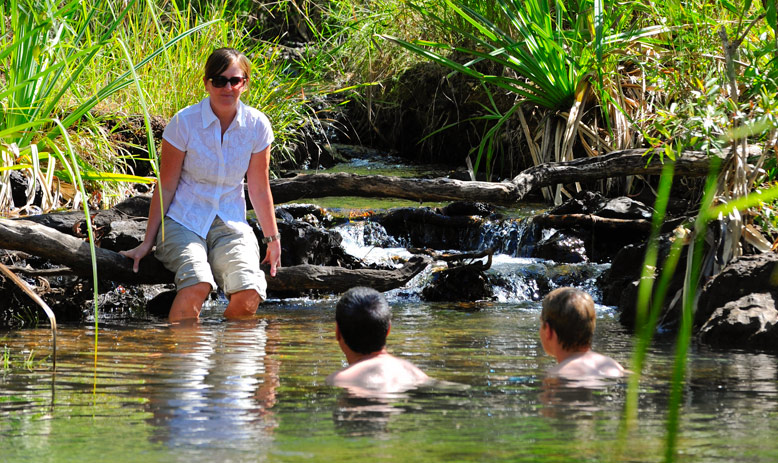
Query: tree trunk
{"x": 615, "y": 164}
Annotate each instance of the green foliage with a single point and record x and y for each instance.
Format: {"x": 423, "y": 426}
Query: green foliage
{"x": 548, "y": 54}
{"x": 698, "y": 122}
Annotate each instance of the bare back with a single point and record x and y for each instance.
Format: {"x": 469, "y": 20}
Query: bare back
{"x": 381, "y": 374}
{"x": 587, "y": 365}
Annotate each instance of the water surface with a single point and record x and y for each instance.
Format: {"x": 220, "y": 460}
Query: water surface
{"x": 254, "y": 391}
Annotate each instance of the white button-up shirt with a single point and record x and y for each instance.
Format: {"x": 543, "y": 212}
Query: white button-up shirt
{"x": 212, "y": 174}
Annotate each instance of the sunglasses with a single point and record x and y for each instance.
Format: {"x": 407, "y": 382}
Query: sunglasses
{"x": 221, "y": 81}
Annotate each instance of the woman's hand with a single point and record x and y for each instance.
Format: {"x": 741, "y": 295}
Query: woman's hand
{"x": 138, "y": 253}
{"x": 273, "y": 256}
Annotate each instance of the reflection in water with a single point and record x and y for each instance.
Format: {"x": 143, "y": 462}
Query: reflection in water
{"x": 218, "y": 386}
{"x": 359, "y": 412}
{"x": 357, "y": 415}
{"x": 570, "y": 399}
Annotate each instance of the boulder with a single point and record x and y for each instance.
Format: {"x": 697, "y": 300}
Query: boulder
{"x": 589, "y": 202}
{"x": 743, "y": 276}
{"x": 468, "y": 283}
{"x": 426, "y": 227}
{"x": 561, "y": 247}
{"x": 620, "y": 283}
{"x": 750, "y": 322}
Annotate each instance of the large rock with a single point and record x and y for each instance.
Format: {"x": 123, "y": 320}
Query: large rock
{"x": 425, "y": 227}
{"x": 467, "y": 283}
{"x": 750, "y": 322}
{"x": 620, "y": 283}
{"x": 560, "y": 247}
{"x": 743, "y": 276}
{"x": 589, "y": 202}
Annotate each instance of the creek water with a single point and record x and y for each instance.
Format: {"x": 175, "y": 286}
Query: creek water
{"x": 254, "y": 391}
{"x": 220, "y": 391}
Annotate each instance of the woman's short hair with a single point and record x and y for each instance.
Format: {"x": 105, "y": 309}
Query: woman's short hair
{"x": 363, "y": 317}
{"x": 570, "y": 313}
{"x": 221, "y": 58}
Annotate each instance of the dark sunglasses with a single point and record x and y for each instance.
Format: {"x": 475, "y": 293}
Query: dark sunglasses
{"x": 221, "y": 81}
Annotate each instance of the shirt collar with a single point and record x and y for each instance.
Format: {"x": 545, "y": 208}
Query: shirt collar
{"x": 209, "y": 117}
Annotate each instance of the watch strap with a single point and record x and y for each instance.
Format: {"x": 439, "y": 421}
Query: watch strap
{"x": 270, "y": 239}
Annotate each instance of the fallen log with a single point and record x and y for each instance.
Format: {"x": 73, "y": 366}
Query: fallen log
{"x": 39, "y": 240}
{"x": 602, "y": 223}
{"x": 615, "y": 164}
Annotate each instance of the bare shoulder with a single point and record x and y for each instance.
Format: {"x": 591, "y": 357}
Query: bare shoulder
{"x": 589, "y": 365}
{"x": 384, "y": 373}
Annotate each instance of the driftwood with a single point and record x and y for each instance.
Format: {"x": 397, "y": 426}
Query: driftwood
{"x": 615, "y": 164}
{"x": 36, "y": 239}
{"x": 456, "y": 260}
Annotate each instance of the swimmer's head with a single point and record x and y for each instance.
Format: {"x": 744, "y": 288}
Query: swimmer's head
{"x": 363, "y": 317}
{"x": 570, "y": 313}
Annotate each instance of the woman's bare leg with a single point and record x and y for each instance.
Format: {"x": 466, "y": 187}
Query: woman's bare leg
{"x": 188, "y": 302}
{"x": 242, "y": 304}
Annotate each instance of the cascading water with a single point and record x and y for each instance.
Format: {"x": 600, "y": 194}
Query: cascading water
{"x": 522, "y": 278}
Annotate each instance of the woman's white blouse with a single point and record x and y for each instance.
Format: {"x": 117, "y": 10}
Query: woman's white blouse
{"x": 213, "y": 172}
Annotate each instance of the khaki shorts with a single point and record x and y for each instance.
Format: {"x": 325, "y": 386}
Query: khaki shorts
{"x": 226, "y": 258}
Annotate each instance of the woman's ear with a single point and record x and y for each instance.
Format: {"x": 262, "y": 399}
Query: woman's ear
{"x": 338, "y": 336}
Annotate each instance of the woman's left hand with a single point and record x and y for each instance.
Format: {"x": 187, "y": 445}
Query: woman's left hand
{"x": 273, "y": 256}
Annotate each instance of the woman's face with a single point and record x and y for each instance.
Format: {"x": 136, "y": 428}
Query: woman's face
{"x": 228, "y": 95}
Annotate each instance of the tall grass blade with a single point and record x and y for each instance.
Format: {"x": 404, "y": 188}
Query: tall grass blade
{"x": 691, "y": 284}
{"x": 645, "y": 319}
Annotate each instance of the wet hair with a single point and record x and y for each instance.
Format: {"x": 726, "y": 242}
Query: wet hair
{"x": 363, "y": 317}
{"x": 221, "y": 58}
{"x": 570, "y": 313}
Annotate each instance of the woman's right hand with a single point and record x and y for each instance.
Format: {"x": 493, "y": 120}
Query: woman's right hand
{"x": 137, "y": 253}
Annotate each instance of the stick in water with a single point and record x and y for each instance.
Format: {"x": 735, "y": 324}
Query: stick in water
{"x": 49, "y": 313}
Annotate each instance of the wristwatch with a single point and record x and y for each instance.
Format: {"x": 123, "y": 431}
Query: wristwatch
{"x": 270, "y": 239}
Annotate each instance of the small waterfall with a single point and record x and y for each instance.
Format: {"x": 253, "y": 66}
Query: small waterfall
{"x": 518, "y": 277}
{"x": 506, "y": 237}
